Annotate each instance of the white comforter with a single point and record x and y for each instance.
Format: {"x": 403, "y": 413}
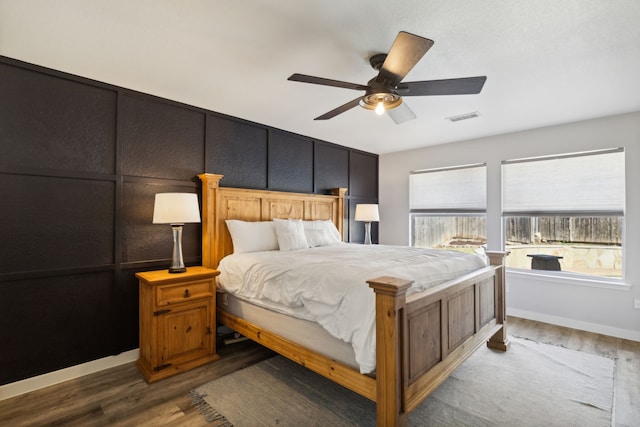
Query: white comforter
{"x": 328, "y": 284}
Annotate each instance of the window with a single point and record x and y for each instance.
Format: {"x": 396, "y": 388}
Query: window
{"x": 448, "y": 207}
{"x": 565, "y": 213}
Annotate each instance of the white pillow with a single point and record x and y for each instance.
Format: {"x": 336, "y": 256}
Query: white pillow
{"x": 290, "y": 234}
{"x": 331, "y": 235}
{"x": 252, "y": 236}
{"x": 317, "y": 238}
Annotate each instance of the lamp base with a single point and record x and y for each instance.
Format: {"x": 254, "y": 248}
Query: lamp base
{"x": 177, "y": 263}
{"x": 367, "y": 233}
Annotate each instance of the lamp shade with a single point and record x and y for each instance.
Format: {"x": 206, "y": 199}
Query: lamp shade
{"x": 176, "y": 208}
{"x": 367, "y": 213}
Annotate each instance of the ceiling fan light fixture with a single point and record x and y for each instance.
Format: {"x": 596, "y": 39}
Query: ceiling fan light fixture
{"x": 380, "y": 102}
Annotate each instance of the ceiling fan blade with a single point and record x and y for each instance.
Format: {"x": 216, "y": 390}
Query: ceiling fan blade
{"x": 325, "y": 82}
{"x": 341, "y": 109}
{"x": 461, "y": 86}
{"x": 404, "y": 54}
{"x": 402, "y": 113}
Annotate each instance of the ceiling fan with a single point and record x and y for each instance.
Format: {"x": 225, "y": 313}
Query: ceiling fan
{"x": 384, "y": 92}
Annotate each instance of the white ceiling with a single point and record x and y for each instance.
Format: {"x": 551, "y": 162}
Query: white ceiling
{"x": 547, "y": 61}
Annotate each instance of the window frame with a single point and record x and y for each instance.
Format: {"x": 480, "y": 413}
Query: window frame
{"x": 447, "y": 211}
{"x": 568, "y": 277}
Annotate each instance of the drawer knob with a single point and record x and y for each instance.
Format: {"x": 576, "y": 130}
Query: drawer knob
{"x": 186, "y": 293}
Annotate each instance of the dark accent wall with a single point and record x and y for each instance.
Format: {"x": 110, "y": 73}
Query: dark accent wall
{"x": 80, "y": 164}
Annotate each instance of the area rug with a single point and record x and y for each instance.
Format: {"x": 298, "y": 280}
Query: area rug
{"x": 532, "y": 384}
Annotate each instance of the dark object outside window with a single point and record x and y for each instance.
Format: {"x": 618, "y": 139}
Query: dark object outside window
{"x": 545, "y": 262}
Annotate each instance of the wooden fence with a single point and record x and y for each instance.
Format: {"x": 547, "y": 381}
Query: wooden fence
{"x": 431, "y": 231}
{"x": 604, "y": 231}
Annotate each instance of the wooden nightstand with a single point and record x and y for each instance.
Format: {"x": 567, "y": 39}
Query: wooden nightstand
{"x": 177, "y": 321}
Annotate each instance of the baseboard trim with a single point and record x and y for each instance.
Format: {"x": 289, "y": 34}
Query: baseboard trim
{"x": 575, "y": 324}
{"x": 56, "y": 377}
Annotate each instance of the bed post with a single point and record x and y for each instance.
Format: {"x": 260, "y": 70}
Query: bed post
{"x": 210, "y": 185}
{"x": 339, "y": 220}
{"x": 500, "y": 340}
{"x": 390, "y": 348}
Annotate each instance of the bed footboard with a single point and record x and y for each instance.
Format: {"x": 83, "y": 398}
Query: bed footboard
{"x": 422, "y": 338}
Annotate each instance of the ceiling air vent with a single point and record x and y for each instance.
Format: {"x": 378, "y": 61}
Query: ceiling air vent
{"x": 463, "y": 116}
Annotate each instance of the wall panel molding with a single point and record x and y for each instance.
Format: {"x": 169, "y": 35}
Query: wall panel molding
{"x": 81, "y": 163}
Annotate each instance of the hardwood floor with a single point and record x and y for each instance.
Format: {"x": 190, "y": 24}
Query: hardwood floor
{"x": 119, "y": 396}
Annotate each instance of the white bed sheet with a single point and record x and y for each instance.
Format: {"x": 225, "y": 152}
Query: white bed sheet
{"x": 328, "y": 285}
{"x": 304, "y": 332}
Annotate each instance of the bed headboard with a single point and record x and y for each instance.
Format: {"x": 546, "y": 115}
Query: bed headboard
{"x": 220, "y": 204}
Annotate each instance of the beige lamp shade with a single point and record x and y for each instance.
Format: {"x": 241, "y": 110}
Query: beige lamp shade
{"x": 176, "y": 208}
{"x": 367, "y": 213}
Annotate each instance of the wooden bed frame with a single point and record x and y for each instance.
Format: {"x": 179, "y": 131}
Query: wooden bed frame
{"x": 420, "y": 339}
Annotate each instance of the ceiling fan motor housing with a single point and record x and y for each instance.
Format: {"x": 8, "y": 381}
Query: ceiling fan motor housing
{"x": 379, "y": 91}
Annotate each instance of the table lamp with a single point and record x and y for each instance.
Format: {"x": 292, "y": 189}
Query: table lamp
{"x": 176, "y": 209}
{"x": 367, "y": 213}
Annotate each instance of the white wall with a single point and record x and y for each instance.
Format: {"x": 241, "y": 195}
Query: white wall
{"x": 607, "y": 310}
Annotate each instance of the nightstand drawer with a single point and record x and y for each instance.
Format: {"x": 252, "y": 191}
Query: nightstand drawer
{"x": 184, "y": 292}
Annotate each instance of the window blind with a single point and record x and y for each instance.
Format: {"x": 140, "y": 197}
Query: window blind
{"x": 589, "y": 183}
{"x": 456, "y": 189}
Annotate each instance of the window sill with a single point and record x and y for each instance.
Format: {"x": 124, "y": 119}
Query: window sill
{"x": 569, "y": 278}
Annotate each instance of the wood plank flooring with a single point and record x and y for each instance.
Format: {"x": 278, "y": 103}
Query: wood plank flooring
{"x": 119, "y": 396}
